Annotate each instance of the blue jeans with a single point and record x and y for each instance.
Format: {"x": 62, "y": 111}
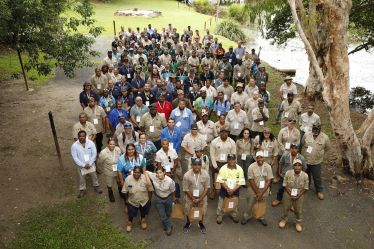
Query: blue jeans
{"x": 164, "y": 207}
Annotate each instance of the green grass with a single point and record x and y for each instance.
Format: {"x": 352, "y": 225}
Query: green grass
{"x": 78, "y": 224}
{"x": 11, "y": 69}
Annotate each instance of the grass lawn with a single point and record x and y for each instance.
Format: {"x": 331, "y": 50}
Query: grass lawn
{"x": 78, "y": 224}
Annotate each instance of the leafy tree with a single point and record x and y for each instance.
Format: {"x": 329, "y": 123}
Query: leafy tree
{"x": 361, "y": 99}
{"x": 49, "y": 30}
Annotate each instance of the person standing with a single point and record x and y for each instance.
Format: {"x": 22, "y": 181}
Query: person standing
{"x": 244, "y": 151}
{"x": 260, "y": 176}
{"x": 290, "y": 108}
{"x": 152, "y": 124}
{"x": 148, "y": 150}
{"x": 190, "y": 142}
{"x": 307, "y": 120}
{"x": 316, "y": 143}
{"x": 207, "y": 127}
{"x": 238, "y": 120}
{"x": 137, "y": 111}
{"x": 221, "y": 105}
{"x": 287, "y": 136}
{"x": 108, "y": 159}
{"x": 173, "y": 135}
{"x": 295, "y": 183}
{"x": 182, "y": 117}
{"x": 84, "y": 154}
{"x": 127, "y": 136}
{"x": 196, "y": 184}
{"x": 164, "y": 107}
{"x": 84, "y": 125}
{"x": 260, "y": 116}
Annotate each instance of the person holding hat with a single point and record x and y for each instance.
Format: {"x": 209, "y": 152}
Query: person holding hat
{"x": 260, "y": 176}
{"x": 285, "y": 164}
{"x": 207, "y": 127}
{"x": 196, "y": 184}
{"x": 287, "y": 136}
{"x": 203, "y": 103}
{"x": 261, "y": 75}
{"x": 239, "y": 95}
{"x": 296, "y": 183}
{"x": 190, "y": 141}
{"x": 316, "y": 143}
{"x": 290, "y": 108}
{"x": 231, "y": 178}
{"x": 87, "y": 93}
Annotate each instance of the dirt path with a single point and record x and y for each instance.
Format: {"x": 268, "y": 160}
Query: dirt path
{"x": 30, "y": 178}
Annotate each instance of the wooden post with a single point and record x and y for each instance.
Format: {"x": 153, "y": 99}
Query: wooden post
{"x": 55, "y": 138}
{"x": 114, "y": 28}
{"x": 23, "y": 69}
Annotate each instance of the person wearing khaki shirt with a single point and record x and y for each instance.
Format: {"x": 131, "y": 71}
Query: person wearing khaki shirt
{"x": 250, "y": 105}
{"x": 260, "y": 116}
{"x": 290, "y": 108}
{"x": 239, "y": 95}
{"x": 296, "y": 183}
{"x": 260, "y": 176}
{"x": 227, "y": 89}
{"x": 84, "y": 125}
{"x": 99, "y": 81}
{"x": 190, "y": 142}
{"x": 207, "y": 128}
{"x": 152, "y": 124}
{"x": 107, "y": 161}
{"x": 315, "y": 143}
{"x": 244, "y": 151}
{"x": 237, "y": 119}
{"x": 287, "y": 136}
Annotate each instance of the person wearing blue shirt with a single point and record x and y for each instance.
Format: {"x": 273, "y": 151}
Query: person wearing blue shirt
{"x": 137, "y": 84}
{"x": 84, "y": 155}
{"x": 183, "y": 117}
{"x": 106, "y": 101}
{"x": 86, "y": 93}
{"x": 128, "y": 161}
{"x": 173, "y": 135}
{"x": 114, "y": 115}
{"x": 221, "y": 106}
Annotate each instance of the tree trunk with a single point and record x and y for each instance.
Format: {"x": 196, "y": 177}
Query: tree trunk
{"x": 313, "y": 86}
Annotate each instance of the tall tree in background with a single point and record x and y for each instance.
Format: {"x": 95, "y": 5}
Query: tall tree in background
{"x": 49, "y": 30}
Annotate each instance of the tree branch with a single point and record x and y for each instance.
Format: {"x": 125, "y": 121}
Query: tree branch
{"x": 361, "y": 47}
{"x": 368, "y": 121}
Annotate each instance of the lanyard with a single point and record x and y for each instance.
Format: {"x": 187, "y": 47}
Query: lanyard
{"x": 196, "y": 180}
{"x": 113, "y": 156}
{"x": 262, "y": 172}
{"x": 266, "y": 144}
{"x": 142, "y": 148}
{"x": 171, "y": 134}
{"x": 161, "y": 107}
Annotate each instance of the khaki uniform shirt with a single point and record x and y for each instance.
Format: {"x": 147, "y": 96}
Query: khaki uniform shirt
{"x": 290, "y": 111}
{"x": 237, "y": 121}
{"x": 128, "y": 140}
{"x": 99, "y": 83}
{"x": 285, "y": 89}
{"x": 208, "y": 130}
{"x": 108, "y": 160}
{"x": 243, "y": 148}
{"x": 153, "y": 126}
{"x": 258, "y": 174}
{"x": 259, "y": 126}
{"x": 239, "y": 71}
{"x": 307, "y": 122}
{"x": 96, "y": 116}
{"x": 193, "y": 61}
{"x": 190, "y": 142}
{"x": 241, "y": 98}
{"x": 287, "y": 137}
{"x": 250, "y": 89}
{"x": 163, "y": 188}
{"x": 196, "y": 183}
{"x": 249, "y": 106}
{"x": 298, "y": 181}
{"x": 270, "y": 146}
{"x": 89, "y": 128}
{"x": 137, "y": 190}
{"x": 166, "y": 158}
{"x": 219, "y": 150}
{"x": 314, "y": 149}
{"x": 227, "y": 91}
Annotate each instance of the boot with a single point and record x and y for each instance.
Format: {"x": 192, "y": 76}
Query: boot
{"x": 111, "y": 195}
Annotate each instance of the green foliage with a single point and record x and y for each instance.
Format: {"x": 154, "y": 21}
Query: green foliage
{"x": 361, "y": 99}
{"x": 39, "y": 28}
{"x": 238, "y": 13}
{"x": 77, "y": 224}
{"x": 204, "y": 7}
{"x": 231, "y": 30}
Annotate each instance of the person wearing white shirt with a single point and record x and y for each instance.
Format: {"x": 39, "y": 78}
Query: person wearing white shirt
{"x": 84, "y": 154}
{"x": 307, "y": 120}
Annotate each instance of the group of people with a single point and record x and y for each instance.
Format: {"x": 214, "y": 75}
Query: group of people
{"x": 154, "y": 100}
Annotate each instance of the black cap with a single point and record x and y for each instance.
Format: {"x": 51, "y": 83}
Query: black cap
{"x": 231, "y": 156}
{"x": 195, "y": 160}
{"x": 194, "y": 127}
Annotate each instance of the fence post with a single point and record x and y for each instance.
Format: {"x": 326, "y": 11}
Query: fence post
{"x": 55, "y": 138}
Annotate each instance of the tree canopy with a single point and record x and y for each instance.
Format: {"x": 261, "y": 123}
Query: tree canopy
{"x": 50, "y": 30}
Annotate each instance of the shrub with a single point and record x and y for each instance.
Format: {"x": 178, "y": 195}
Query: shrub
{"x": 361, "y": 99}
{"x": 231, "y": 30}
{"x": 238, "y": 13}
{"x": 204, "y": 7}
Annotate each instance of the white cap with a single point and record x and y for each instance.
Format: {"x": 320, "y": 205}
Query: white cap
{"x": 260, "y": 153}
{"x": 297, "y": 161}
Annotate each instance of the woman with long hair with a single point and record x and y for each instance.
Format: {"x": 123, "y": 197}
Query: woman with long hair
{"x": 148, "y": 150}
{"x": 244, "y": 151}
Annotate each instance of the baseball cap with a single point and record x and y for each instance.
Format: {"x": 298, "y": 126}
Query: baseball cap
{"x": 194, "y": 127}
{"x": 297, "y": 161}
{"x": 260, "y": 153}
{"x": 231, "y": 156}
{"x": 195, "y": 160}
{"x": 127, "y": 125}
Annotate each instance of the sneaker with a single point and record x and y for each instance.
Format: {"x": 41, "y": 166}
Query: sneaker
{"x": 320, "y": 196}
{"x": 235, "y": 219}
{"x": 219, "y": 219}
{"x": 186, "y": 227}
{"x": 143, "y": 223}
{"x": 129, "y": 226}
{"x": 81, "y": 193}
{"x": 202, "y": 228}
{"x": 282, "y": 224}
{"x": 98, "y": 189}
{"x": 275, "y": 203}
{"x": 299, "y": 227}
{"x": 169, "y": 230}
{"x": 244, "y": 221}
{"x": 263, "y": 222}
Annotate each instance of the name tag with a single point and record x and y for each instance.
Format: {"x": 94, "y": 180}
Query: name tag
{"x": 239, "y": 74}
{"x": 196, "y": 193}
{"x": 225, "y": 97}
{"x": 86, "y": 157}
{"x": 287, "y": 146}
{"x": 294, "y": 192}
{"x": 266, "y": 153}
{"x": 261, "y": 184}
{"x": 128, "y": 76}
{"x": 309, "y": 149}
{"x": 231, "y": 204}
{"x": 178, "y": 124}
{"x": 244, "y": 156}
{"x": 147, "y": 103}
{"x": 108, "y": 109}
{"x": 167, "y": 167}
{"x": 230, "y": 60}
{"x": 306, "y": 129}
{"x": 191, "y": 88}
{"x": 137, "y": 119}
{"x": 99, "y": 86}
{"x": 286, "y": 114}
{"x": 171, "y": 145}
{"x": 218, "y": 113}
{"x": 205, "y": 137}
{"x": 231, "y": 183}
{"x": 285, "y": 95}
{"x": 222, "y": 157}
{"x": 196, "y": 214}
{"x": 151, "y": 128}
{"x": 236, "y": 126}
{"x": 95, "y": 121}
{"x": 261, "y": 123}
{"x": 114, "y": 167}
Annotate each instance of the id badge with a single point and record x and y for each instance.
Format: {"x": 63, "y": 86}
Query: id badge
{"x": 244, "y": 156}
{"x": 147, "y": 103}
{"x": 128, "y": 76}
{"x": 294, "y": 192}
{"x": 285, "y": 95}
{"x": 236, "y": 126}
{"x": 178, "y": 124}
{"x": 287, "y": 146}
{"x": 266, "y": 153}
{"x": 171, "y": 145}
{"x": 262, "y": 184}
{"x": 114, "y": 167}
{"x": 309, "y": 149}
{"x": 95, "y": 121}
{"x": 137, "y": 119}
{"x": 108, "y": 109}
{"x": 86, "y": 157}
{"x": 196, "y": 193}
{"x": 222, "y": 157}
{"x": 218, "y": 113}
{"x": 261, "y": 123}
{"x": 231, "y": 204}
{"x": 167, "y": 168}
{"x": 99, "y": 86}
{"x": 151, "y": 128}
{"x": 196, "y": 214}
{"x": 286, "y": 114}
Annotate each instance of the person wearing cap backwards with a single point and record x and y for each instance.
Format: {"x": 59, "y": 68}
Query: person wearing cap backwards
{"x": 260, "y": 116}
{"x": 316, "y": 143}
{"x": 203, "y": 103}
{"x": 190, "y": 142}
{"x": 114, "y": 114}
{"x": 291, "y": 108}
{"x": 137, "y": 111}
{"x": 87, "y": 93}
{"x": 183, "y": 117}
{"x": 260, "y": 176}
{"x": 285, "y": 164}
{"x": 152, "y": 124}
{"x": 231, "y": 177}
{"x": 98, "y": 81}
{"x": 287, "y": 87}
{"x": 239, "y": 95}
{"x": 196, "y": 184}
{"x": 287, "y": 136}
{"x": 296, "y": 183}
{"x": 261, "y": 75}
{"x": 97, "y": 116}
{"x": 237, "y": 119}
{"x": 239, "y": 72}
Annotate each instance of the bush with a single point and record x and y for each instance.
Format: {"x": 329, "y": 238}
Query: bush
{"x": 238, "y": 13}
{"x": 231, "y": 30}
{"x": 204, "y": 7}
{"x": 361, "y": 99}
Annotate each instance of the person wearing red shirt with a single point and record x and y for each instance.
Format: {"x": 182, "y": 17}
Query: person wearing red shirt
{"x": 163, "y": 106}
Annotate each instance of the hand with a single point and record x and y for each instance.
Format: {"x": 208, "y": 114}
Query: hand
{"x": 229, "y": 191}
{"x": 272, "y": 163}
{"x": 196, "y": 201}
{"x": 87, "y": 166}
{"x": 259, "y": 196}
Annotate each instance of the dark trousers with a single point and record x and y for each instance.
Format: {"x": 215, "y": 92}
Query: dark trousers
{"x": 164, "y": 207}
{"x": 280, "y": 189}
{"x": 245, "y": 164}
{"x": 315, "y": 172}
{"x": 133, "y": 211}
{"x": 302, "y": 133}
{"x": 99, "y": 142}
